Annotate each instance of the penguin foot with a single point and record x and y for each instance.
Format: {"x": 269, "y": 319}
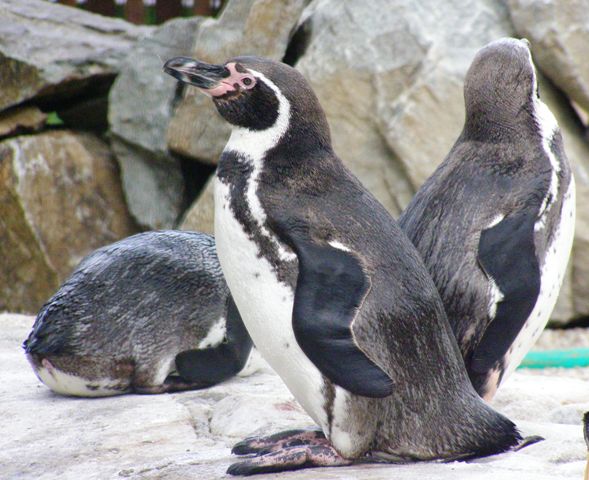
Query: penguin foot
{"x": 279, "y": 441}
{"x": 293, "y": 458}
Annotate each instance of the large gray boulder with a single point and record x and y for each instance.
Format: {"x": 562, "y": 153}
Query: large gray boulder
{"x": 390, "y": 74}
{"x": 52, "y": 53}
{"x": 254, "y": 27}
{"x": 60, "y": 198}
{"x": 559, "y": 33}
{"x": 140, "y": 106}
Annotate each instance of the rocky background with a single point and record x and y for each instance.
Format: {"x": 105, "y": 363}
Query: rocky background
{"x": 96, "y": 143}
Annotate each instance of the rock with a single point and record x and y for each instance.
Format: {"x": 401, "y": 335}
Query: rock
{"x": 140, "y": 106}
{"x": 21, "y": 120}
{"x": 153, "y": 185}
{"x": 60, "y": 198}
{"x": 389, "y": 75}
{"x": 559, "y": 33}
{"x": 255, "y": 27}
{"x": 188, "y": 436}
{"x": 201, "y": 215}
{"x": 142, "y": 97}
{"x": 52, "y": 53}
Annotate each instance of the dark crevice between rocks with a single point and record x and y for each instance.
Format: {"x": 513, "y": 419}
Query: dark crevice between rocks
{"x": 298, "y": 44}
{"x": 195, "y": 174}
{"x": 178, "y": 95}
{"x": 83, "y": 105}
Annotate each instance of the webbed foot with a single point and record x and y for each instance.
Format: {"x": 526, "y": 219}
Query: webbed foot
{"x": 292, "y": 458}
{"x": 279, "y": 441}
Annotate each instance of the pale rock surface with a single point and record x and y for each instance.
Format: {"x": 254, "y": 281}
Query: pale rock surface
{"x": 246, "y": 27}
{"x": 559, "y": 33}
{"x": 60, "y": 198}
{"x": 153, "y": 185}
{"x": 42, "y": 55}
{"x": 201, "y": 215}
{"x": 140, "y": 106}
{"x": 188, "y": 435}
{"x": 21, "y": 120}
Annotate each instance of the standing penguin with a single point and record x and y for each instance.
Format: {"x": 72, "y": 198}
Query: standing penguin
{"x": 334, "y": 295}
{"x": 495, "y": 222}
{"x": 135, "y": 312}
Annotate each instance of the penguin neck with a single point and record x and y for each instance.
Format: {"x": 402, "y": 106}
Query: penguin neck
{"x": 497, "y": 123}
{"x": 294, "y": 140}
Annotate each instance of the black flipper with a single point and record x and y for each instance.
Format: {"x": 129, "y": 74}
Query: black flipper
{"x": 507, "y": 255}
{"x": 330, "y": 289}
{"x": 213, "y": 365}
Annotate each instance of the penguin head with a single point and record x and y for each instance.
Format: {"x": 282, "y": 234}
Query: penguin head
{"x": 501, "y": 82}
{"x": 253, "y": 92}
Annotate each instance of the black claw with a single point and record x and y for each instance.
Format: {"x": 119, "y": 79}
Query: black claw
{"x": 526, "y": 442}
{"x": 241, "y": 468}
{"x": 243, "y": 448}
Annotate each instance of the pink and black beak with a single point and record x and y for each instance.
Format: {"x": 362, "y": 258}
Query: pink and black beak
{"x": 200, "y": 74}
{"x": 215, "y": 80}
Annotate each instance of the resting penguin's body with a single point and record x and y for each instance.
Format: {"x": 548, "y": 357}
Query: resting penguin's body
{"x": 333, "y": 294}
{"x": 495, "y": 222}
{"x": 136, "y": 311}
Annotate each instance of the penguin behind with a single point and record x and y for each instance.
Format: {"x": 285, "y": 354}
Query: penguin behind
{"x": 495, "y": 222}
{"x": 334, "y": 295}
{"x": 148, "y": 314}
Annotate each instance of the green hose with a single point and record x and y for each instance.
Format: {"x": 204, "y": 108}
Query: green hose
{"x": 571, "y": 358}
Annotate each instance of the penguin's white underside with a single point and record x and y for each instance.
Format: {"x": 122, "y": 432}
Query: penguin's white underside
{"x": 265, "y": 303}
{"x": 557, "y": 252}
{"x": 552, "y": 275}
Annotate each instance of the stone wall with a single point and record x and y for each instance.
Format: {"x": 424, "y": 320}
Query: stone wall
{"x": 389, "y": 74}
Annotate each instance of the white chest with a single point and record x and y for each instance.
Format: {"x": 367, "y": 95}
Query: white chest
{"x": 265, "y": 305}
{"x": 552, "y": 275}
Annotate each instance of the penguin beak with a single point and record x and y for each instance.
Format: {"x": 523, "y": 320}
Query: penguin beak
{"x": 200, "y": 74}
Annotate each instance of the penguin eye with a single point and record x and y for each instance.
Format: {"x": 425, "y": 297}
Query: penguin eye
{"x": 247, "y": 81}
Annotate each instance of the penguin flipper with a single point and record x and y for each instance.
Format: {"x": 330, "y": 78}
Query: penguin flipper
{"x": 216, "y": 364}
{"x": 507, "y": 256}
{"x": 331, "y": 288}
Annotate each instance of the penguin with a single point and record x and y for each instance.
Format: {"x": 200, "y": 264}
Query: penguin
{"x": 586, "y": 437}
{"x": 333, "y": 294}
{"x": 494, "y": 224}
{"x": 148, "y": 314}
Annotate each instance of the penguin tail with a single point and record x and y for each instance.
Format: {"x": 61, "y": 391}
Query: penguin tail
{"x": 496, "y": 434}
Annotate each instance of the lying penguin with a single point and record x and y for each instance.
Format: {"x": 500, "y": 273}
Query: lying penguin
{"x": 148, "y": 314}
{"x": 495, "y": 222}
{"x": 334, "y": 295}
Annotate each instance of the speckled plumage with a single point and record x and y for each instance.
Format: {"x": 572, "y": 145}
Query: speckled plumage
{"x": 119, "y": 322}
{"x": 494, "y": 223}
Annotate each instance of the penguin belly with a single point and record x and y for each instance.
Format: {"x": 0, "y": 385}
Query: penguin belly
{"x": 50, "y": 372}
{"x": 551, "y": 277}
{"x": 266, "y": 305}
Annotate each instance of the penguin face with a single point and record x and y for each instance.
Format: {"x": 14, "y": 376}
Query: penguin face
{"x": 253, "y": 92}
{"x": 502, "y": 77}
{"x": 240, "y": 89}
